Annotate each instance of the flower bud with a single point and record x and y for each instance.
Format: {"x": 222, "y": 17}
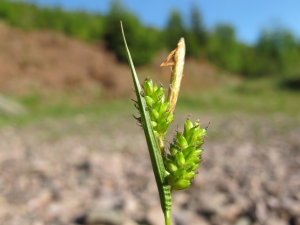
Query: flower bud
{"x": 154, "y": 124}
{"x": 188, "y": 151}
{"x": 157, "y": 106}
{"x": 189, "y": 166}
{"x": 181, "y": 141}
{"x": 148, "y": 87}
{"x": 180, "y": 185}
{"x": 154, "y": 114}
{"x": 189, "y": 175}
{"x": 170, "y": 117}
{"x": 170, "y": 166}
{"x": 158, "y": 93}
{"x": 187, "y": 126}
{"x": 149, "y": 101}
{"x": 173, "y": 150}
{"x": 180, "y": 159}
{"x": 164, "y": 107}
{"x": 193, "y": 159}
{"x": 162, "y": 127}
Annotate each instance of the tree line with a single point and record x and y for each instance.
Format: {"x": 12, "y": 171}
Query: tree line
{"x": 276, "y": 52}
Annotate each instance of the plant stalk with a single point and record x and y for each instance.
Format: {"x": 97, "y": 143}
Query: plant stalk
{"x": 161, "y": 145}
{"x": 167, "y": 217}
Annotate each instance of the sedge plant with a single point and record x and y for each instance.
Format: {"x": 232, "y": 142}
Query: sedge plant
{"x": 174, "y": 169}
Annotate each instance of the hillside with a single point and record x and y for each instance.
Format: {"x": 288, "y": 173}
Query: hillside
{"x": 44, "y": 61}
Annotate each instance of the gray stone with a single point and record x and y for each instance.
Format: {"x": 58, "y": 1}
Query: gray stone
{"x": 243, "y": 221}
{"x": 105, "y": 217}
{"x": 155, "y": 215}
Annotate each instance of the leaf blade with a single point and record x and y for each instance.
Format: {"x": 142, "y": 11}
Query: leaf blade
{"x": 153, "y": 147}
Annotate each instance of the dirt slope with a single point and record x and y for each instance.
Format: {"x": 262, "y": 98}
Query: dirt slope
{"x": 43, "y": 60}
{"x": 46, "y": 61}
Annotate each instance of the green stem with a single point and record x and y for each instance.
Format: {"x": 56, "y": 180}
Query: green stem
{"x": 167, "y": 217}
{"x": 161, "y": 145}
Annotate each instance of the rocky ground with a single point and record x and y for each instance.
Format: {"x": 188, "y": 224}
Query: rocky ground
{"x": 97, "y": 171}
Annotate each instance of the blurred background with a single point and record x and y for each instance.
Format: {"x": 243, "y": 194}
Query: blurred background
{"x": 70, "y": 151}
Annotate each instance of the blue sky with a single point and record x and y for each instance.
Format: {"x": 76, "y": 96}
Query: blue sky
{"x": 248, "y": 17}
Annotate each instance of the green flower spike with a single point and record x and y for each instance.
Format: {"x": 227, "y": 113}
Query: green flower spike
{"x": 158, "y": 108}
{"x": 185, "y": 155}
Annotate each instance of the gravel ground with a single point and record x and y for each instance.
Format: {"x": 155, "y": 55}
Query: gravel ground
{"x": 97, "y": 171}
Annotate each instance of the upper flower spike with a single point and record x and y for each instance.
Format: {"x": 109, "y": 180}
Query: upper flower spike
{"x": 177, "y": 56}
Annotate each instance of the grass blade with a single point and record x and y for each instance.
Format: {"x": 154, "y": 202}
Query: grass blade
{"x": 154, "y": 150}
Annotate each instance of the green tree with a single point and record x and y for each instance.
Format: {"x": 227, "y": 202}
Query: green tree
{"x": 196, "y": 36}
{"x": 174, "y": 30}
{"x": 82, "y": 25}
{"x": 142, "y": 40}
{"x": 197, "y": 26}
{"x": 278, "y": 51}
{"x": 223, "y": 49}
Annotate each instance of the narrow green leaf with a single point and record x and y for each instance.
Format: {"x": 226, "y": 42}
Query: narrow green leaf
{"x": 153, "y": 147}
